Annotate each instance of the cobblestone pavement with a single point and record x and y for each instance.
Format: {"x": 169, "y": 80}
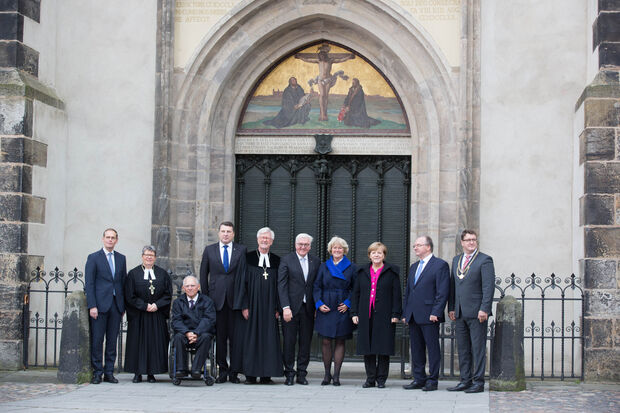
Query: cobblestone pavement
{"x": 558, "y": 397}
{"x": 10, "y": 392}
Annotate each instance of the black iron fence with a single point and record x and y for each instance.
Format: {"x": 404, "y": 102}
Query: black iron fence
{"x": 552, "y": 311}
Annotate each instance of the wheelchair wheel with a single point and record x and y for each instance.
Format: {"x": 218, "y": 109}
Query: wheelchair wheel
{"x": 176, "y": 381}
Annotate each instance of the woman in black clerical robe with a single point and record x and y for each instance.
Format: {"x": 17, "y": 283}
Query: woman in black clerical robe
{"x": 376, "y": 308}
{"x": 148, "y": 292}
{"x": 332, "y": 295}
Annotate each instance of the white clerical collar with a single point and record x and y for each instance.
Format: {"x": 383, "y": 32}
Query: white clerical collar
{"x": 148, "y": 273}
{"x": 190, "y": 299}
{"x": 263, "y": 261}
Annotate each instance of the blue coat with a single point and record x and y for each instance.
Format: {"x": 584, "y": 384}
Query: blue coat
{"x": 101, "y": 286}
{"x": 332, "y": 291}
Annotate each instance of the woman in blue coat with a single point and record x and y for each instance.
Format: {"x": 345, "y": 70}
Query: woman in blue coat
{"x": 332, "y": 294}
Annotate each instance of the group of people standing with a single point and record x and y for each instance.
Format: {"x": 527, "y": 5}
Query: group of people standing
{"x": 241, "y": 298}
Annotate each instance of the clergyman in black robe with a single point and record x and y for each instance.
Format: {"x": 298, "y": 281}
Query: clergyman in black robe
{"x": 355, "y": 108}
{"x": 148, "y": 292}
{"x": 258, "y": 299}
{"x": 295, "y": 108}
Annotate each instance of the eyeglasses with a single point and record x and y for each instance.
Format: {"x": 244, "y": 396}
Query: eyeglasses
{"x": 303, "y": 245}
{"x": 148, "y": 255}
{"x": 419, "y": 245}
{"x": 470, "y": 240}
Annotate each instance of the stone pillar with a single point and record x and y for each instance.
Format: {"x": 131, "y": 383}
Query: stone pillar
{"x": 20, "y": 153}
{"x": 507, "y": 368}
{"x": 598, "y": 117}
{"x": 74, "y": 360}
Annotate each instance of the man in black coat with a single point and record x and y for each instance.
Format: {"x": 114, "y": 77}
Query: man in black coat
{"x": 296, "y": 275}
{"x": 219, "y": 268}
{"x": 428, "y": 288}
{"x": 105, "y": 274}
{"x": 472, "y": 285}
{"x": 193, "y": 322}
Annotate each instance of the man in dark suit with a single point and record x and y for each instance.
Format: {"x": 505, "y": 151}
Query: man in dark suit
{"x": 193, "y": 322}
{"x": 220, "y": 266}
{"x": 426, "y": 294}
{"x": 105, "y": 274}
{"x": 296, "y": 275}
{"x": 472, "y": 284}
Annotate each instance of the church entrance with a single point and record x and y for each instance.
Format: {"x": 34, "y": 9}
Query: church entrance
{"x": 359, "y": 198}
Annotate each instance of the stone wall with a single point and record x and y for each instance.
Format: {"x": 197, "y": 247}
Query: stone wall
{"x": 598, "y": 120}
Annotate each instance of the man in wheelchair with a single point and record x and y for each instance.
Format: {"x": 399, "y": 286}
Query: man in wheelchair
{"x": 193, "y": 325}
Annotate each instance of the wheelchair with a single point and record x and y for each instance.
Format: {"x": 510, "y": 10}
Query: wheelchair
{"x": 208, "y": 369}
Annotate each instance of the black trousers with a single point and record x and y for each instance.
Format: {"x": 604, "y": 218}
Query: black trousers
{"x": 297, "y": 332}
{"x": 377, "y": 368}
{"x": 106, "y": 325}
{"x": 471, "y": 340}
{"x": 203, "y": 344}
{"x": 224, "y": 335}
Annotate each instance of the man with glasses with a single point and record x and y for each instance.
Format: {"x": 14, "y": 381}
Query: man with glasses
{"x": 296, "y": 276}
{"x": 472, "y": 284}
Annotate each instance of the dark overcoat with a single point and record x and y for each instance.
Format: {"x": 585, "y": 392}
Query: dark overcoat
{"x": 388, "y": 305}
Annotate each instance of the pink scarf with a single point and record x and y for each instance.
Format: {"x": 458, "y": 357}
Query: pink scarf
{"x": 374, "y": 277}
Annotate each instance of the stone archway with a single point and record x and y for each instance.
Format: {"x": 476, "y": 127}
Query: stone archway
{"x": 194, "y": 190}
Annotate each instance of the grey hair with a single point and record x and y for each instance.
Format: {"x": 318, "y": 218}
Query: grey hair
{"x": 337, "y": 240}
{"x": 303, "y": 235}
{"x": 149, "y": 248}
{"x": 191, "y": 276}
{"x": 266, "y": 229}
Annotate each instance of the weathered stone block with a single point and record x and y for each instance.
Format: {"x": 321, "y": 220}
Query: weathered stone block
{"x": 11, "y": 26}
{"x": 601, "y": 364}
{"x": 602, "y": 178}
{"x": 605, "y": 28}
{"x": 507, "y": 361}
{"x": 608, "y": 5}
{"x": 596, "y": 209}
{"x": 602, "y": 303}
{"x": 74, "y": 357}
{"x": 602, "y": 242}
{"x": 10, "y": 207}
{"x": 16, "y": 268}
{"x": 11, "y": 352}
{"x": 597, "y": 332}
{"x": 597, "y": 144}
{"x": 18, "y": 55}
{"x": 608, "y": 54}
{"x": 16, "y": 117}
{"x": 600, "y": 273}
{"x": 33, "y": 209}
{"x": 160, "y": 237}
{"x": 11, "y": 325}
{"x": 11, "y": 297}
{"x": 602, "y": 112}
{"x": 13, "y": 238}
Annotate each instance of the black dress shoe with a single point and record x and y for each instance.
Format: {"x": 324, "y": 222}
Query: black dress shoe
{"x": 413, "y": 385}
{"x": 109, "y": 378}
{"x": 137, "y": 378}
{"x": 368, "y": 384}
{"x": 234, "y": 379}
{"x": 381, "y": 385}
{"x": 336, "y": 381}
{"x": 221, "y": 379}
{"x": 181, "y": 373}
{"x": 266, "y": 380}
{"x": 196, "y": 375}
{"x": 289, "y": 381}
{"x": 209, "y": 380}
{"x": 475, "y": 388}
{"x": 429, "y": 386}
{"x": 460, "y": 387}
{"x": 250, "y": 380}
{"x": 150, "y": 378}
{"x": 326, "y": 380}
{"x": 302, "y": 380}
{"x": 96, "y": 379}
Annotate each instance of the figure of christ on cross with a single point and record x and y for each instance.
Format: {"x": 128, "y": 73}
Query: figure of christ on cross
{"x": 325, "y": 61}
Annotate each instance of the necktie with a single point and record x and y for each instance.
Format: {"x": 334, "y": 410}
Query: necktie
{"x": 191, "y": 304}
{"x": 111, "y": 262}
{"x": 418, "y": 272}
{"x": 225, "y": 261}
{"x": 467, "y": 258}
